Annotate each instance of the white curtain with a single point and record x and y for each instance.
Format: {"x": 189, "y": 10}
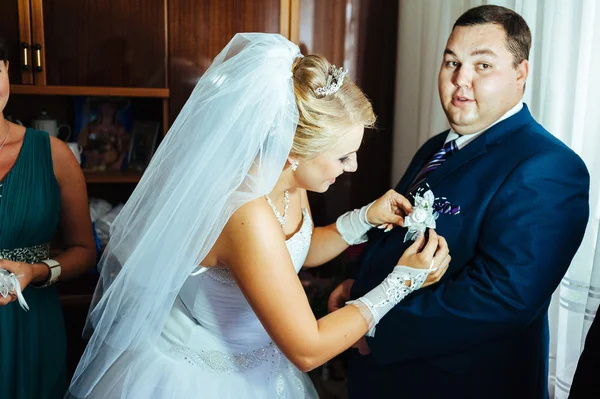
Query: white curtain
{"x": 563, "y": 93}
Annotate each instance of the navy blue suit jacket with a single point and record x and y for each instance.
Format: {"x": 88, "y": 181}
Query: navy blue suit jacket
{"x": 482, "y": 332}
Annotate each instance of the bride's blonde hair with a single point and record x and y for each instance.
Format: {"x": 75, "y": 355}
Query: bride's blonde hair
{"x": 323, "y": 120}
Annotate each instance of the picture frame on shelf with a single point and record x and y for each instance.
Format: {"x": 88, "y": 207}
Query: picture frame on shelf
{"x": 103, "y": 130}
{"x": 144, "y": 135}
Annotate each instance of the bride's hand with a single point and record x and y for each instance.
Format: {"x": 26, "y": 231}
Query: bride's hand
{"x": 389, "y": 210}
{"x": 420, "y": 255}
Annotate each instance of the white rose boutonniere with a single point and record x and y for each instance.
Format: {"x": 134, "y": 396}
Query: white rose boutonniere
{"x": 426, "y": 210}
{"x": 422, "y": 217}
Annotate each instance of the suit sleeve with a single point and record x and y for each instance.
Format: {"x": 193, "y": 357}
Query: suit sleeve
{"x": 531, "y": 230}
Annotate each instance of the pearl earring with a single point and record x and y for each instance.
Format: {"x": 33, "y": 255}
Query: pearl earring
{"x": 294, "y": 166}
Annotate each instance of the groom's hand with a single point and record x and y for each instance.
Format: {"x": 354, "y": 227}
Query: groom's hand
{"x": 340, "y": 296}
{"x": 389, "y": 210}
{"x": 362, "y": 346}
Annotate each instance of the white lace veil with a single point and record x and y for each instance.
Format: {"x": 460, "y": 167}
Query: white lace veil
{"x": 228, "y": 146}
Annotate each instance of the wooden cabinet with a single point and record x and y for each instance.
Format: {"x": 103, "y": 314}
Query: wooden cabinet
{"x": 86, "y": 43}
{"x": 324, "y": 27}
{"x": 93, "y": 48}
{"x": 103, "y": 42}
{"x": 199, "y": 29}
{"x": 15, "y": 30}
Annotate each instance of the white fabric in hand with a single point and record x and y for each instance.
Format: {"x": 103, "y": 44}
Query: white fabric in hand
{"x": 9, "y": 283}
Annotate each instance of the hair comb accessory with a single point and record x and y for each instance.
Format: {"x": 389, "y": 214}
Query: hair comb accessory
{"x": 334, "y": 81}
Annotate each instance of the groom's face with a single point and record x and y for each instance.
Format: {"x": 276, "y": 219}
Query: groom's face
{"x": 478, "y": 81}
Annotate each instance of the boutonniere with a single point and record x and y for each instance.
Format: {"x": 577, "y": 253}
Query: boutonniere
{"x": 426, "y": 209}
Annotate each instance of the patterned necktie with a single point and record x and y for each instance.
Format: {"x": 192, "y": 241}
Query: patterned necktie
{"x": 436, "y": 160}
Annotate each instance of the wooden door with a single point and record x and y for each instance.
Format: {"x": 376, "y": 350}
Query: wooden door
{"x": 322, "y": 28}
{"x": 114, "y": 43}
{"x": 199, "y": 29}
{"x": 15, "y": 30}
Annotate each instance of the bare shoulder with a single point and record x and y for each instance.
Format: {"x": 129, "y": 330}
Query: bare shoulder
{"x": 63, "y": 160}
{"x": 252, "y": 222}
{"x": 246, "y": 231}
{"x": 61, "y": 153}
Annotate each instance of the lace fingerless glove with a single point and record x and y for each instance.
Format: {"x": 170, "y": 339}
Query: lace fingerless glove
{"x": 397, "y": 285}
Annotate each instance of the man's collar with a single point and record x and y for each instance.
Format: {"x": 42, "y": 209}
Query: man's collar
{"x": 463, "y": 140}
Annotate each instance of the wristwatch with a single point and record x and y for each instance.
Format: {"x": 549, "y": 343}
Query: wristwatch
{"x": 55, "y": 270}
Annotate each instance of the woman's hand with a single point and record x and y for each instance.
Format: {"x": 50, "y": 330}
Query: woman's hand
{"x": 24, "y": 273}
{"x": 389, "y": 210}
{"x": 434, "y": 254}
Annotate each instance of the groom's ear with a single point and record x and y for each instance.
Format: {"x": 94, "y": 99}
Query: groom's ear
{"x": 522, "y": 73}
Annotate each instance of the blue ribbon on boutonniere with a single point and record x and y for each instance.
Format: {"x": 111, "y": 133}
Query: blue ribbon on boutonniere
{"x": 443, "y": 206}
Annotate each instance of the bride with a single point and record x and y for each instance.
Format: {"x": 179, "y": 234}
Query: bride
{"x": 227, "y": 190}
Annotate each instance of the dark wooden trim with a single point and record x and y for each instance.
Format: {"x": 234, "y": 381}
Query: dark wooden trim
{"x": 25, "y": 37}
{"x": 90, "y": 91}
{"x": 37, "y": 19}
{"x": 112, "y": 177}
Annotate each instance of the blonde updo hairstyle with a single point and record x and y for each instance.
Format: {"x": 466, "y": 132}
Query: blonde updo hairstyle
{"x": 324, "y": 120}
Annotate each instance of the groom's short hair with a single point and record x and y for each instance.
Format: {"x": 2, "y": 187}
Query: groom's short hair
{"x": 518, "y": 35}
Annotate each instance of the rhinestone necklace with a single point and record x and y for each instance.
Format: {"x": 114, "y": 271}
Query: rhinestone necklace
{"x": 286, "y": 201}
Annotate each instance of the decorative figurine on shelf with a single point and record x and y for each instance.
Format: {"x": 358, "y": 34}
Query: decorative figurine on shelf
{"x": 105, "y": 141}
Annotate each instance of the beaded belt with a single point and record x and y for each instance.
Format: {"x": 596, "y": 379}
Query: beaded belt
{"x": 220, "y": 362}
{"x": 28, "y": 255}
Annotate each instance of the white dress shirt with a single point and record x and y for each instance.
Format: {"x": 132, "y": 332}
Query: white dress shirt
{"x": 463, "y": 140}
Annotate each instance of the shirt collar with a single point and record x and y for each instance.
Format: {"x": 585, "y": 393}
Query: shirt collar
{"x": 463, "y": 140}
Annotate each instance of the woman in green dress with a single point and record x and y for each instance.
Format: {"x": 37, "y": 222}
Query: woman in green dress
{"x": 42, "y": 190}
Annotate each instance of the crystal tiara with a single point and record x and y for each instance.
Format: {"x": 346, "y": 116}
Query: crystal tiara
{"x": 334, "y": 81}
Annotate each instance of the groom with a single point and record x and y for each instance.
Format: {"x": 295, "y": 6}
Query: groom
{"x": 482, "y": 332}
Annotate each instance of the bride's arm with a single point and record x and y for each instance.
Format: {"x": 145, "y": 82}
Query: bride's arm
{"x": 252, "y": 246}
{"x": 326, "y": 243}
{"x": 254, "y": 250}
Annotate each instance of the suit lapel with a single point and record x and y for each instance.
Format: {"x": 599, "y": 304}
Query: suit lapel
{"x": 475, "y": 148}
{"x": 419, "y": 161}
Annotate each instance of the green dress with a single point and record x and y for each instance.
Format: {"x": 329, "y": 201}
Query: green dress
{"x": 32, "y": 344}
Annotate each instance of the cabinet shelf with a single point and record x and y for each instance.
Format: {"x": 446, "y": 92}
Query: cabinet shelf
{"x": 112, "y": 177}
{"x": 90, "y": 91}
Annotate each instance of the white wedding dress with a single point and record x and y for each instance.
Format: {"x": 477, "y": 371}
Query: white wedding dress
{"x": 213, "y": 346}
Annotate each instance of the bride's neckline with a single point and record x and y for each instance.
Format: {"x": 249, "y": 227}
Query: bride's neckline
{"x": 305, "y": 220}
{"x": 286, "y": 201}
